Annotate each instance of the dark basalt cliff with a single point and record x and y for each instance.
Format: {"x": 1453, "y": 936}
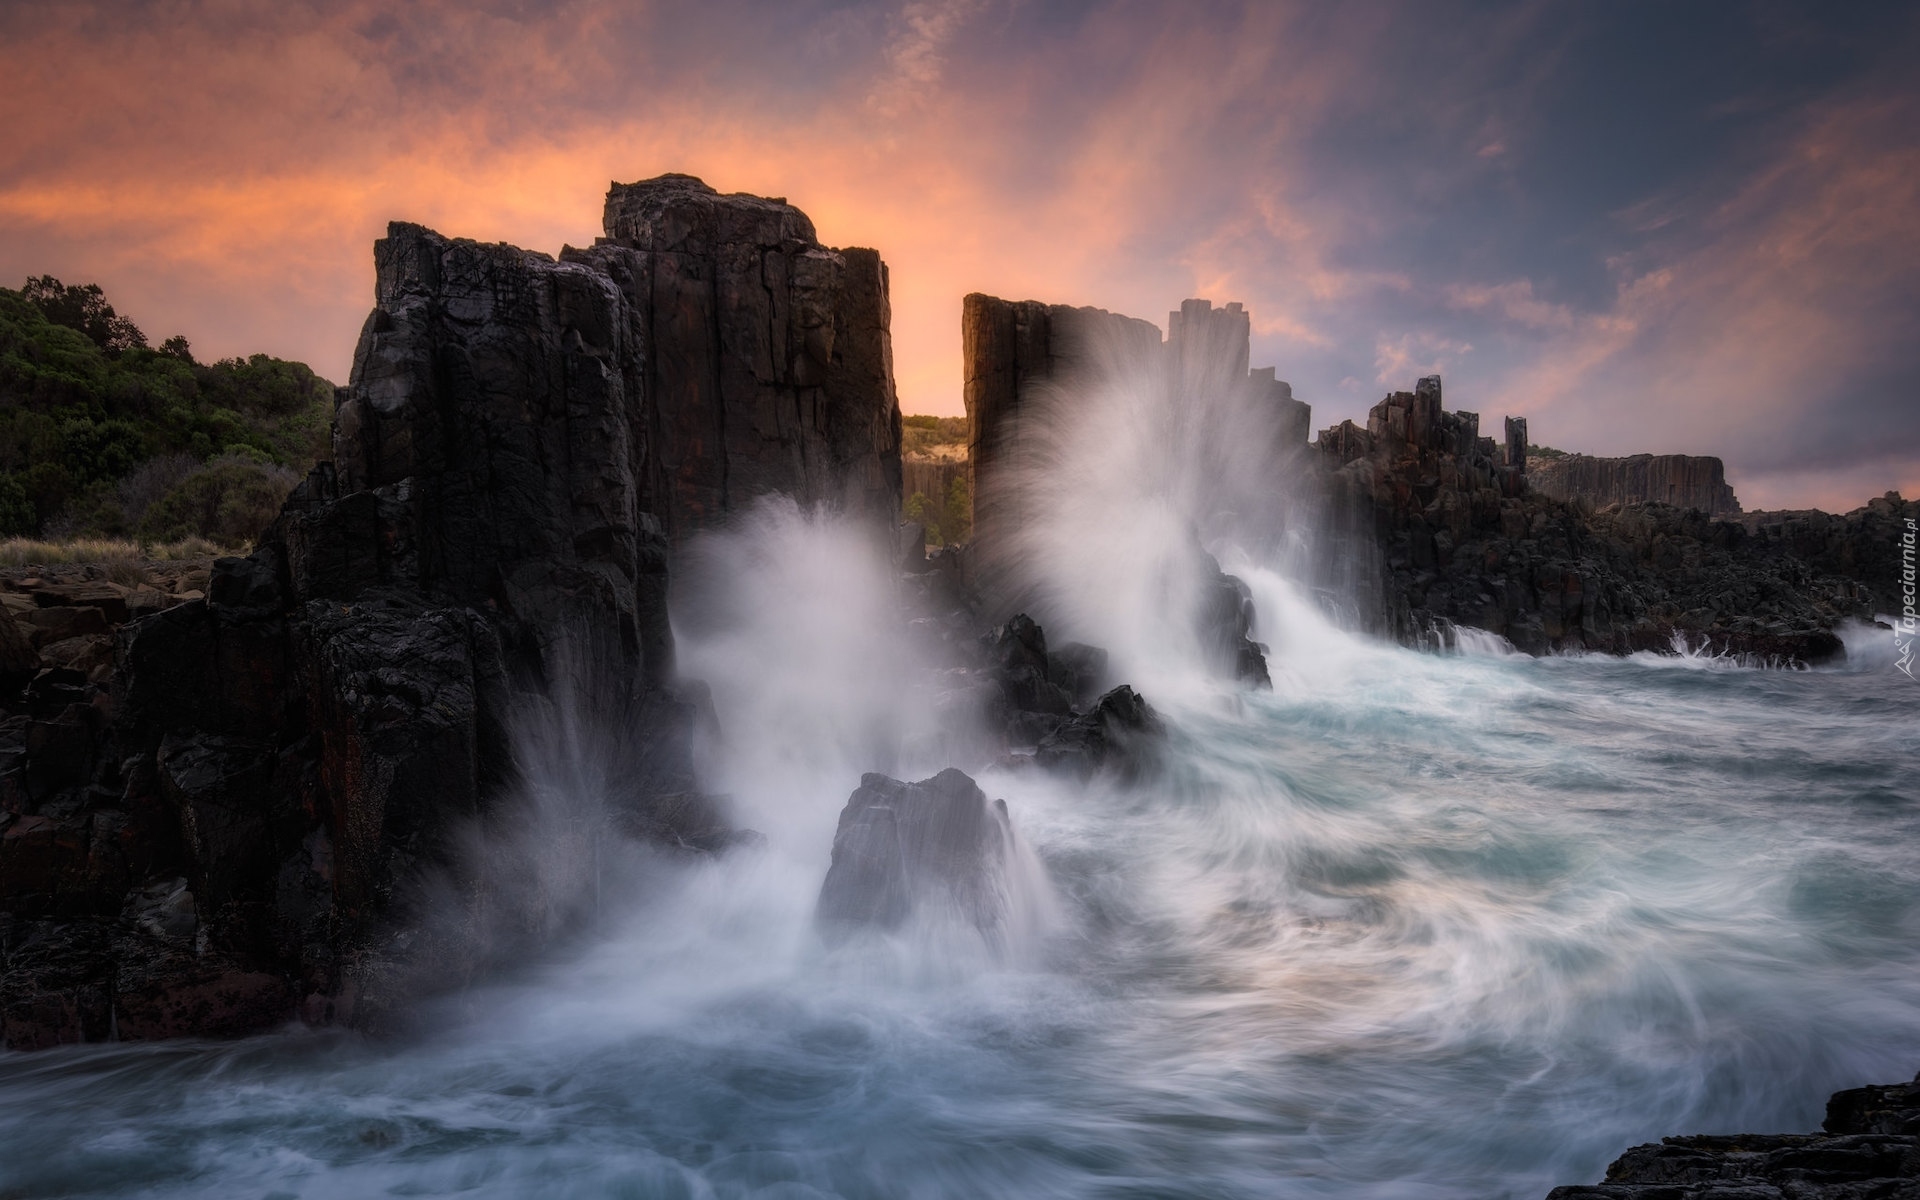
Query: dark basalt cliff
{"x": 763, "y": 361}
{"x": 231, "y": 826}
{"x": 1467, "y": 541}
{"x": 1679, "y": 480}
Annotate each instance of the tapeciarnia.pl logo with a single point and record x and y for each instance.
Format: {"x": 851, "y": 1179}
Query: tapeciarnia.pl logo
{"x": 1909, "y": 622}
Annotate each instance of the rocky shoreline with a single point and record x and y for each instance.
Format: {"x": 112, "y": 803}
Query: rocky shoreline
{"x": 1868, "y": 1148}
{"x": 225, "y": 787}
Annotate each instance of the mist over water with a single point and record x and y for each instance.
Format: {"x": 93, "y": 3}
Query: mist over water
{"x": 1407, "y": 925}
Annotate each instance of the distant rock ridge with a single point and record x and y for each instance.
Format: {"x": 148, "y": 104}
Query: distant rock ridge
{"x": 1417, "y": 525}
{"x": 1467, "y": 540}
{"x": 1682, "y": 480}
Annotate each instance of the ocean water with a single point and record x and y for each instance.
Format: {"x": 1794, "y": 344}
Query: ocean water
{"x": 1406, "y": 926}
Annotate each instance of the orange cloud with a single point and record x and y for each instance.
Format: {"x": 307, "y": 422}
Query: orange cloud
{"x": 222, "y": 168}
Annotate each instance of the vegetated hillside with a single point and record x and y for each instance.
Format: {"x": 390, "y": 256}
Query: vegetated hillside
{"x": 933, "y": 437}
{"x": 933, "y": 453}
{"x": 104, "y": 436}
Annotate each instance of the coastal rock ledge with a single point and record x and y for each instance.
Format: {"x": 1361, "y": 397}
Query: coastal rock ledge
{"x": 1868, "y": 1149}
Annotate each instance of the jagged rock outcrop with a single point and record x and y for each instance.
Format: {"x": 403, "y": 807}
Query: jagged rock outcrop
{"x": 1414, "y": 524}
{"x": 1013, "y": 354}
{"x": 1119, "y": 734}
{"x": 1679, "y": 480}
{"x": 231, "y": 824}
{"x": 1466, "y": 541}
{"x": 937, "y": 848}
{"x": 1869, "y": 1147}
{"x": 1870, "y": 545}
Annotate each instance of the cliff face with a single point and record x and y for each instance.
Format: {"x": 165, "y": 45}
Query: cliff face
{"x": 1865, "y": 544}
{"x": 238, "y": 826}
{"x": 1023, "y": 357}
{"x": 1681, "y": 480}
{"x": 761, "y": 360}
{"x": 1014, "y": 352}
{"x": 1467, "y": 541}
{"x": 1419, "y": 525}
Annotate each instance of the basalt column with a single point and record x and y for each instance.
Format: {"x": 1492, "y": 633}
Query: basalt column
{"x": 763, "y": 359}
{"x": 1682, "y": 480}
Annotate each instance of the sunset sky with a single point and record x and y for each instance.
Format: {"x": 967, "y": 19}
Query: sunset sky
{"x": 1664, "y": 227}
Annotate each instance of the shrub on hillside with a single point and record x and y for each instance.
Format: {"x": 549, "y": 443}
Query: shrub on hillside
{"x": 918, "y": 433}
{"x": 231, "y": 500}
{"x": 87, "y": 410}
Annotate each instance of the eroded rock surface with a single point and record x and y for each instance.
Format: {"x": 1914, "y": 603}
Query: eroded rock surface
{"x": 937, "y": 848}
{"x": 1464, "y": 540}
{"x": 1869, "y": 1149}
{"x": 1679, "y": 480}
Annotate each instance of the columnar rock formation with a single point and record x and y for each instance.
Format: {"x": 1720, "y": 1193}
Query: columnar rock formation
{"x": 1682, "y": 480}
{"x": 1417, "y": 524}
{"x": 235, "y": 828}
{"x": 765, "y": 359}
{"x": 1014, "y": 354}
{"x": 1023, "y": 357}
{"x": 933, "y": 478}
{"x": 1468, "y": 542}
{"x": 1019, "y": 354}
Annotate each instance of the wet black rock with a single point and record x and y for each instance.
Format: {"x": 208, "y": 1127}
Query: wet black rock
{"x": 1226, "y": 628}
{"x": 1121, "y": 735}
{"x": 1017, "y": 657}
{"x": 1078, "y": 669}
{"x": 1869, "y": 1149}
{"x": 938, "y": 847}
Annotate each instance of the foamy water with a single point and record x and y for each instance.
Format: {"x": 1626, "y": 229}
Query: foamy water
{"x": 1409, "y": 925}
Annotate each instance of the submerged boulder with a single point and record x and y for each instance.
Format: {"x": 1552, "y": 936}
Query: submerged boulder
{"x": 1118, "y": 734}
{"x": 936, "y": 846}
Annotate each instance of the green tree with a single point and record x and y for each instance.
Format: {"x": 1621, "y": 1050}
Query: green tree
{"x": 17, "y": 514}
{"x": 230, "y": 500}
{"x": 919, "y": 510}
{"x": 85, "y": 406}
{"x": 84, "y": 308}
{"x": 959, "y": 515}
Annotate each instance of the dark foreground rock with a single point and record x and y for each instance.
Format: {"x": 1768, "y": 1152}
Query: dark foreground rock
{"x": 1869, "y": 1149}
{"x": 225, "y": 805}
{"x": 935, "y": 848}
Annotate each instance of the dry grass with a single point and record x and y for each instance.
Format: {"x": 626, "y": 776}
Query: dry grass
{"x": 119, "y": 557}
